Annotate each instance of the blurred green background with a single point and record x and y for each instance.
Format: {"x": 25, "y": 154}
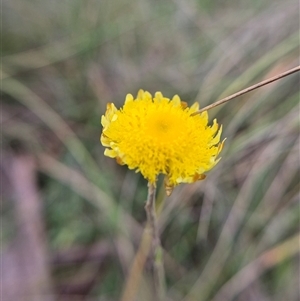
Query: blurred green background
{"x": 72, "y": 219}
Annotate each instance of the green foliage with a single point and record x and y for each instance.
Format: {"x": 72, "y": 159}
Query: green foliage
{"x": 63, "y": 61}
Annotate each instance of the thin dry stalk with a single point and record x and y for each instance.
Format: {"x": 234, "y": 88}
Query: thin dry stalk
{"x": 136, "y": 271}
{"x": 251, "y": 88}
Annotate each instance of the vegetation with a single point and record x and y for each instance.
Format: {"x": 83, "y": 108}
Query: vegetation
{"x": 233, "y": 236}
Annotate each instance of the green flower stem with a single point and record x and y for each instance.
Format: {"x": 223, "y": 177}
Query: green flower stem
{"x": 157, "y": 252}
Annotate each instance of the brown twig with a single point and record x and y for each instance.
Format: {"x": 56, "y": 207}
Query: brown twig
{"x": 251, "y": 88}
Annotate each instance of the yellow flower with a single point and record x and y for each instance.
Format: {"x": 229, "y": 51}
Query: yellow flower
{"x": 157, "y": 135}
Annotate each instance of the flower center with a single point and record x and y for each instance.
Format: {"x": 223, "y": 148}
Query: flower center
{"x": 162, "y": 127}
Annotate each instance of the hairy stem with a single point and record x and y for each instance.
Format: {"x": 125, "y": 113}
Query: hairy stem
{"x": 157, "y": 254}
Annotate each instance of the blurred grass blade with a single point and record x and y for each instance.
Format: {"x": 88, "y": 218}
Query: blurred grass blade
{"x": 257, "y": 267}
{"x": 55, "y": 122}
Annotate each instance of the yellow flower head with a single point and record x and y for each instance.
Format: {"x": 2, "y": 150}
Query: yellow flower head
{"x": 157, "y": 135}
